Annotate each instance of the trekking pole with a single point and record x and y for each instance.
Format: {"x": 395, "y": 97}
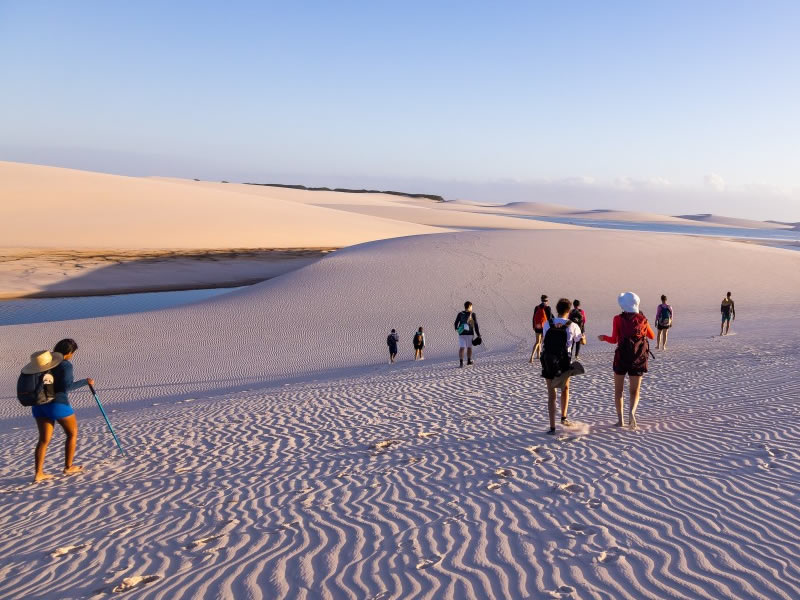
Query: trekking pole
{"x": 110, "y": 428}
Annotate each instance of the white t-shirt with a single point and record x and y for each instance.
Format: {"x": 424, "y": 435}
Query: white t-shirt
{"x": 573, "y": 331}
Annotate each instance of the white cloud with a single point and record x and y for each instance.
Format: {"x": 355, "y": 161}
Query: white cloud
{"x": 715, "y": 182}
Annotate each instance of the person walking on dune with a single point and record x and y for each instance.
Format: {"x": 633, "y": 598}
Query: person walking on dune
{"x": 57, "y": 381}
{"x": 664, "y": 315}
{"x": 560, "y": 334}
{"x": 391, "y": 341}
{"x": 728, "y": 313}
{"x": 578, "y": 316}
{"x": 466, "y": 325}
{"x": 419, "y": 344}
{"x": 630, "y": 331}
{"x": 541, "y": 315}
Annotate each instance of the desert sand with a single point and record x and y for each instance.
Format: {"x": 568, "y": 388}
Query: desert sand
{"x": 273, "y": 452}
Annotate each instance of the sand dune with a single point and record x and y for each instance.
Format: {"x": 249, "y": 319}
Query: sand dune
{"x": 429, "y": 482}
{"x": 110, "y": 211}
{"x": 734, "y": 222}
{"x": 275, "y": 454}
{"x": 335, "y": 314}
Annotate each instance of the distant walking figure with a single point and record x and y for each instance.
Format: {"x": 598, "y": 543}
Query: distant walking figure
{"x": 664, "y": 315}
{"x": 630, "y": 332}
{"x": 419, "y": 344}
{"x": 391, "y": 341}
{"x": 577, "y": 316}
{"x": 58, "y": 381}
{"x": 560, "y": 334}
{"x": 541, "y": 315}
{"x": 728, "y": 313}
{"x": 466, "y": 325}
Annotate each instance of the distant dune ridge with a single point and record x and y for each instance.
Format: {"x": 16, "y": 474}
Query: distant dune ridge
{"x": 273, "y": 452}
{"x": 734, "y": 222}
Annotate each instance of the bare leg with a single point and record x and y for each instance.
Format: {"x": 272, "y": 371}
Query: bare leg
{"x": 664, "y": 343}
{"x": 564, "y": 400}
{"x": 537, "y": 347}
{"x": 70, "y": 426}
{"x": 461, "y": 356}
{"x": 727, "y": 326}
{"x": 619, "y": 385}
{"x": 636, "y": 384}
{"x": 551, "y": 403}
{"x": 721, "y": 327}
{"x": 45, "y": 428}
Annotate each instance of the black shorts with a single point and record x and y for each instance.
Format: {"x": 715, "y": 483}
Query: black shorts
{"x": 632, "y": 372}
{"x": 538, "y": 331}
{"x": 662, "y": 327}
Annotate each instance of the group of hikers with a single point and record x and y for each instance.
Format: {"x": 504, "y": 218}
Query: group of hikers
{"x": 558, "y": 339}
{"x": 45, "y": 382}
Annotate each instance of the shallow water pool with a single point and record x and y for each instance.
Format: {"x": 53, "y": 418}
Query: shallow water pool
{"x": 40, "y": 310}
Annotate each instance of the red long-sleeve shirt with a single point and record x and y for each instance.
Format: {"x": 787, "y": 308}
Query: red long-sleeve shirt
{"x": 614, "y": 337}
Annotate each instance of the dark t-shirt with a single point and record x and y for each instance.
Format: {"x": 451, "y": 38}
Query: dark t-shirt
{"x": 463, "y": 317}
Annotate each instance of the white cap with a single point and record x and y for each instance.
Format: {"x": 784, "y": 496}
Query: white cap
{"x": 629, "y": 302}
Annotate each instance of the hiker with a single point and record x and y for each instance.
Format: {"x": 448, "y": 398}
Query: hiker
{"x": 559, "y": 336}
{"x": 541, "y": 315}
{"x": 577, "y": 316}
{"x": 419, "y": 344}
{"x": 664, "y": 315}
{"x": 466, "y": 325}
{"x": 391, "y": 341}
{"x": 58, "y": 372}
{"x": 630, "y": 331}
{"x": 728, "y": 313}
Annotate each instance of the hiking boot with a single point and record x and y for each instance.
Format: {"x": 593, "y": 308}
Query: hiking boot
{"x": 551, "y": 431}
{"x": 469, "y": 362}
{"x": 461, "y": 364}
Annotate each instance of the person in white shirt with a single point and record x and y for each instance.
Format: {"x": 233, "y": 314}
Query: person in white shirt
{"x": 556, "y": 360}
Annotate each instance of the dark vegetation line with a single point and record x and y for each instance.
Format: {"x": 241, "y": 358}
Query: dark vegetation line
{"x": 349, "y": 191}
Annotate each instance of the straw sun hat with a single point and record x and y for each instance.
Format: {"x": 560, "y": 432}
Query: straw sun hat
{"x": 42, "y": 361}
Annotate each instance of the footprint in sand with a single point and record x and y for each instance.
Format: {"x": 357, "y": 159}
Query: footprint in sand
{"x": 427, "y": 434}
{"x": 561, "y": 592}
{"x": 383, "y": 446}
{"x": 504, "y": 473}
{"x": 577, "y": 529}
{"x": 610, "y": 556}
{"x": 130, "y": 583}
{"x": 593, "y": 503}
{"x": 425, "y": 563}
{"x": 203, "y": 541}
{"x": 64, "y": 550}
{"x": 568, "y": 488}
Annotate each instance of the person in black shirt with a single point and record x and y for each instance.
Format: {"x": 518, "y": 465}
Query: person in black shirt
{"x": 466, "y": 325}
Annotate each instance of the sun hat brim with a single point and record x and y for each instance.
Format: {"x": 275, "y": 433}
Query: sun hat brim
{"x": 32, "y": 368}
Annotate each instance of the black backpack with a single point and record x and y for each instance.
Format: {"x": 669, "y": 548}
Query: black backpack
{"x": 576, "y": 316}
{"x": 418, "y": 340}
{"x": 35, "y": 389}
{"x": 555, "y": 356}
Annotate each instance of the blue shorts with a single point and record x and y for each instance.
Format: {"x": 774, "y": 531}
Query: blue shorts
{"x": 726, "y": 317}
{"x": 52, "y": 411}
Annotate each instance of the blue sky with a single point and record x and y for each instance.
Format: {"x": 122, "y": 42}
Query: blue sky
{"x": 671, "y": 107}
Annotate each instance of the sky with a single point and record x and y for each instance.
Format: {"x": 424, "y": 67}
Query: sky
{"x": 672, "y": 107}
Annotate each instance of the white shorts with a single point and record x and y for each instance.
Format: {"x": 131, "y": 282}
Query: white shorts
{"x": 465, "y": 341}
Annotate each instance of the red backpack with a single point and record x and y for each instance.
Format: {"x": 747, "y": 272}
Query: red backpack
{"x": 539, "y": 317}
{"x": 633, "y": 346}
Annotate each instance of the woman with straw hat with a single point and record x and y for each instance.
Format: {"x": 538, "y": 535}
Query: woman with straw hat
{"x": 61, "y": 378}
